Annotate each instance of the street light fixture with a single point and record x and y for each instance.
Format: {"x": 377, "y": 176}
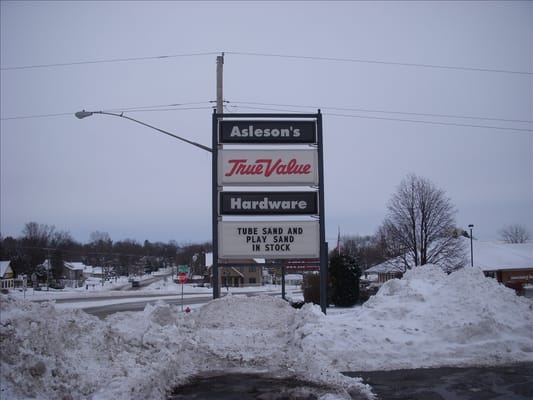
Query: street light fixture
{"x": 83, "y": 114}
{"x": 471, "y": 246}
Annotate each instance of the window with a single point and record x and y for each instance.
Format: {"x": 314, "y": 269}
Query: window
{"x": 252, "y": 281}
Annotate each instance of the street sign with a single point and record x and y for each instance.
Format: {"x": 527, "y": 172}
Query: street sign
{"x": 268, "y": 167}
{"x": 275, "y": 240}
{"x": 183, "y": 268}
{"x": 183, "y": 277}
{"x": 268, "y": 203}
{"x": 267, "y": 131}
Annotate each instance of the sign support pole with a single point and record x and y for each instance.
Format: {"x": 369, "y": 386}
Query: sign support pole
{"x": 323, "y": 244}
{"x": 214, "y": 201}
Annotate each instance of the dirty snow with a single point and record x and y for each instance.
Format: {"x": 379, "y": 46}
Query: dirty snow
{"x": 426, "y": 319}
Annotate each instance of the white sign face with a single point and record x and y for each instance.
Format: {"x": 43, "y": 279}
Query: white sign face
{"x": 259, "y": 239}
{"x": 268, "y": 167}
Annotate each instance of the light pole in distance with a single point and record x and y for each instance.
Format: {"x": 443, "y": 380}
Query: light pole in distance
{"x": 471, "y": 246}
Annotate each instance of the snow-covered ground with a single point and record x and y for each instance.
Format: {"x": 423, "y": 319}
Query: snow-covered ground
{"x": 426, "y": 319}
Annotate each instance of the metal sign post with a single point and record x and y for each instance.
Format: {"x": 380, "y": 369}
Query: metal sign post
{"x": 183, "y": 279}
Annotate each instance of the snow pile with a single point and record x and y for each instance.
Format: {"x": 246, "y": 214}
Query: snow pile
{"x": 430, "y": 319}
{"x": 426, "y": 319}
{"x": 53, "y": 354}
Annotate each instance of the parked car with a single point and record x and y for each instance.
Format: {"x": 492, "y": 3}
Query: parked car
{"x": 56, "y": 285}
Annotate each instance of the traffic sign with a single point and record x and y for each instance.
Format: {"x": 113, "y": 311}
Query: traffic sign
{"x": 183, "y": 277}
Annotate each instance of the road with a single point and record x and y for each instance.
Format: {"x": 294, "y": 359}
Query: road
{"x": 137, "y": 301}
{"x": 512, "y": 382}
{"x": 108, "y": 309}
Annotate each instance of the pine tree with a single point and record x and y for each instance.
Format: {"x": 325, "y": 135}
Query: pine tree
{"x": 344, "y": 279}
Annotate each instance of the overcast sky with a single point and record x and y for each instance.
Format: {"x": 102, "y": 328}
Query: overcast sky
{"x": 374, "y": 69}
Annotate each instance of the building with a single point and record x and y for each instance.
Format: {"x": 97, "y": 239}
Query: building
{"x": 6, "y": 272}
{"x": 509, "y": 263}
{"x": 7, "y": 275}
{"x": 386, "y": 271}
{"x": 237, "y": 273}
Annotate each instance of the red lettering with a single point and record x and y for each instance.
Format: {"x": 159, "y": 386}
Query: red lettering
{"x": 267, "y": 167}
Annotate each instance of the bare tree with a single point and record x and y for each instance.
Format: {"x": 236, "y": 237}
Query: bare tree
{"x": 420, "y": 226}
{"x": 514, "y": 234}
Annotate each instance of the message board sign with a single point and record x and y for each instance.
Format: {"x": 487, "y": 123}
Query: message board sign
{"x": 267, "y": 131}
{"x": 268, "y": 203}
{"x": 268, "y": 167}
{"x": 276, "y": 240}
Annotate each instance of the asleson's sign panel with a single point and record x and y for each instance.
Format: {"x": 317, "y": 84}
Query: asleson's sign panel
{"x": 268, "y": 167}
{"x": 264, "y": 131}
{"x": 278, "y": 240}
{"x": 268, "y": 203}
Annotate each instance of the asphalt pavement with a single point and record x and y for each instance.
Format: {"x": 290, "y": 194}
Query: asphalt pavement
{"x": 510, "y": 382}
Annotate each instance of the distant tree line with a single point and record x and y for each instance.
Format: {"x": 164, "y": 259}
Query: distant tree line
{"x": 40, "y": 242}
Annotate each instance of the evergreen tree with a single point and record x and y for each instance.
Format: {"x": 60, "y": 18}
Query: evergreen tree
{"x": 344, "y": 276}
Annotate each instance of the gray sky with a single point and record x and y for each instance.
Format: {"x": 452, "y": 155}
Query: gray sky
{"x": 108, "y": 174}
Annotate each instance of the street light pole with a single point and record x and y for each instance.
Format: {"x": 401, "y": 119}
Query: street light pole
{"x": 83, "y": 114}
{"x": 471, "y": 246}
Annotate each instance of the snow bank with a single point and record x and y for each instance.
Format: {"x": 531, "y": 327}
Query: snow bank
{"x": 430, "y": 319}
{"x": 426, "y": 319}
{"x": 53, "y": 354}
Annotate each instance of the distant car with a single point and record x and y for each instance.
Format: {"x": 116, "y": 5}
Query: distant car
{"x": 135, "y": 284}
{"x": 56, "y": 285}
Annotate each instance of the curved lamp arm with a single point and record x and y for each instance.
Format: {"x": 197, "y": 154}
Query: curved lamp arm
{"x": 83, "y": 114}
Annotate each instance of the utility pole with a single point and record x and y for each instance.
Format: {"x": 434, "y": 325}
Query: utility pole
{"x": 220, "y": 98}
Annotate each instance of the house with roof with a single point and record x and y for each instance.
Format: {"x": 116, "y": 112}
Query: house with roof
{"x": 6, "y": 272}
{"x": 509, "y": 263}
{"x": 237, "y": 273}
{"x": 392, "y": 269}
{"x": 7, "y": 275}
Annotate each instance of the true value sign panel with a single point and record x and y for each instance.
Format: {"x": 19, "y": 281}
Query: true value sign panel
{"x": 260, "y": 239}
{"x": 268, "y": 167}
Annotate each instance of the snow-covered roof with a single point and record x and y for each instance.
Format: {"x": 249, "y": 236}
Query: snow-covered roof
{"x": 3, "y": 267}
{"x": 75, "y": 266}
{"x": 387, "y": 267}
{"x": 293, "y": 277}
{"x": 490, "y": 256}
{"x": 209, "y": 260}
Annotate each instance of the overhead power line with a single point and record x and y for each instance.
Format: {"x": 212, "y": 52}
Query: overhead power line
{"x": 164, "y": 107}
{"x": 274, "y": 55}
{"x": 386, "y": 112}
{"x": 110, "y": 60}
{"x": 396, "y": 119}
{"x": 260, "y": 106}
{"x": 366, "y": 61}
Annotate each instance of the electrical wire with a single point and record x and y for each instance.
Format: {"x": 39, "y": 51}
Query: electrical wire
{"x": 111, "y": 60}
{"x": 398, "y": 119}
{"x": 386, "y": 112}
{"x": 274, "y": 55}
{"x": 168, "y": 107}
{"x": 359, "y": 60}
{"x": 254, "y": 106}
{"x": 35, "y": 116}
